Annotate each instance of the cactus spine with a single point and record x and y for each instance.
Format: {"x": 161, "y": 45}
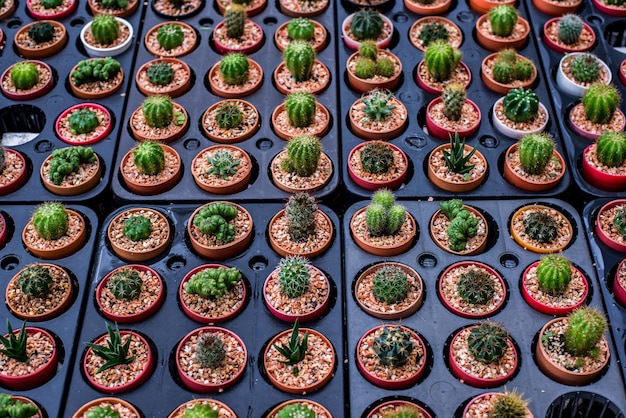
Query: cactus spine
{"x": 383, "y": 216}
{"x": 584, "y": 331}
{"x": 24, "y": 75}
{"x": 585, "y": 68}
{"x": 299, "y": 58}
{"x": 394, "y": 346}
{"x": 365, "y": 68}
{"x": 223, "y": 164}
{"x": 41, "y": 32}
{"x": 303, "y": 154}
{"x": 300, "y": 107}
{"x": 235, "y": 20}
{"x": 105, "y": 29}
{"x": 83, "y": 121}
{"x": 51, "y": 220}
{"x": 300, "y": 212}
{"x": 509, "y": 405}
{"x": 520, "y": 105}
{"x": 554, "y": 274}
{"x": 160, "y": 74}
{"x": 390, "y": 284}
{"x": 503, "y": 19}
{"x": 432, "y": 32}
{"x": 476, "y": 286}
{"x": 570, "y": 28}
{"x": 540, "y": 226}
{"x": 158, "y": 111}
{"x": 234, "y": 69}
{"x": 441, "y": 60}
{"x": 35, "y": 280}
{"x": 149, "y": 157}
{"x": 294, "y": 276}
{"x": 453, "y": 99}
{"x": 125, "y": 284}
{"x": 376, "y": 157}
{"x": 619, "y": 221}
{"x": 535, "y": 152}
{"x": 488, "y": 342}
{"x": 611, "y": 149}
{"x": 300, "y": 29}
{"x": 228, "y": 115}
{"x": 369, "y": 49}
{"x": 600, "y": 102}
{"x": 137, "y": 228}
{"x": 210, "y": 351}
{"x": 366, "y": 24}
{"x": 170, "y": 36}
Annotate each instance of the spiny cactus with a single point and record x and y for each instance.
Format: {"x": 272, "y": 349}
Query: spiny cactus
{"x": 390, "y": 284}
{"x": 200, "y": 411}
{"x": 294, "y": 276}
{"x": 51, "y": 4}
{"x": 300, "y": 107}
{"x": 569, "y": 29}
{"x": 520, "y": 105}
{"x": 210, "y": 351}
{"x": 125, "y": 284}
{"x": 102, "y": 412}
{"x": 295, "y": 411}
{"x": 540, "y": 226}
{"x": 503, "y": 72}
{"x": 404, "y": 411}
{"x": 535, "y": 152}
{"x": 368, "y": 49}
{"x": 213, "y": 283}
{"x": 600, "y": 102}
{"x": 382, "y": 217}
{"x": 105, "y": 29}
{"x": 24, "y": 75}
{"x": 476, "y": 286}
{"x": 524, "y": 69}
{"x": 453, "y": 98}
{"x": 41, "y": 32}
{"x": 213, "y": 220}
{"x": 51, "y": 220}
{"x": 585, "y": 68}
{"x": 455, "y": 158}
{"x": 503, "y": 19}
{"x": 507, "y": 55}
{"x": 300, "y": 29}
{"x": 170, "y": 36}
{"x": 235, "y": 20}
{"x": 432, "y": 32}
{"x": 509, "y": 405}
{"x": 585, "y": 327}
{"x": 223, "y": 164}
{"x": 158, "y": 111}
{"x": 68, "y": 160}
{"x": 234, "y": 69}
{"x": 115, "y": 4}
{"x": 462, "y": 224}
{"x": 160, "y": 73}
{"x": 394, "y": 346}
{"x": 300, "y": 212}
{"x": 83, "y": 121}
{"x": 137, "y": 228}
{"x": 149, "y": 158}
{"x": 385, "y": 67}
{"x": 366, "y": 24}
{"x": 619, "y": 221}
{"x": 303, "y": 154}
{"x": 488, "y": 342}
{"x": 365, "y": 68}
{"x": 35, "y": 280}
{"x": 384, "y": 197}
{"x": 299, "y": 58}
{"x": 441, "y": 60}
{"x": 95, "y": 69}
{"x": 554, "y": 273}
{"x": 228, "y": 115}
{"x": 376, "y": 105}
{"x": 376, "y": 157}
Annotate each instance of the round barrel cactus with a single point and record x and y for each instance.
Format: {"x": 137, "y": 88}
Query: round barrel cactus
{"x": 503, "y": 19}
{"x": 535, "y": 152}
{"x": 441, "y": 60}
{"x": 51, "y": 220}
{"x": 149, "y": 158}
{"x": 24, "y": 75}
{"x": 158, "y": 111}
{"x": 299, "y": 58}
{"x": 105, "y": 29}
{"x": 600, "y": 102}
{"x": 520, "y": 105}
{"x": 170, "y": 36}
{"x": 366, "y": 24}
{"x": 300, "y": 107}
{"x": 611, "y": 149}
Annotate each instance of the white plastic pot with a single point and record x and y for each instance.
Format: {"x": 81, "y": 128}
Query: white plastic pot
{"x": 93, "y": 51}
{"x": 515, "y": 133}
{"x": 568, "y": 85}
{"x": 353, "y": 44}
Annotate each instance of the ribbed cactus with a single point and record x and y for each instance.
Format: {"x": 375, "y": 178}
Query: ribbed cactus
{"x": 213, "y": 220}
{"x": 535, "y": 152}
{"x": 570, "y": 28}
{"x": 382, "y": 217}
{"x": 300, "y": 212}
{"x": 585, "y": 327}
{"x": 394, "y": 346}
{"x": 105, "y": 29}
{"x": 366, "y": 24}
{"x": 300, "y": 29}
{"x": 41, "y": 32}
{"x": 35, "y": 280}
{"x": 554, "y": 273}
{"x": 488, "y": 342}
{"x": 303, "y": 154}
{"x": 299, "y": 58}
{"x": 611, "y": 149}
{"x": 619, "y": 222}
{"x": 295, "y": 411}
{"x": 83, "y": 121}
{"x": 149, "y": 157}
{"x": 365, "y": 68}
{"x": 376, "y": 157}
{"x": 300, "y": 107}
{"x": 600, "y": 102}
{"x": 158, "y": 111}
{"x": 385, "y": 67}
{"x": 520, "y": 105}
{"x": 376, "y": 105}
{"x": 160, "y": 73}
{"x": 503, "y": 72}
{"x": 228, "y": 115}
{"x": 24, "y": 75}
{"x": 453, "y": 98}
{"x": 137, "y": 228}
{"x": 368, "y": 49}
{"x": 441, "y": 60}
{"x": 115, "y": 4}
{"x": 390, "y": 284}
{"x": 509, "y": 405}
{"x": 524, "y": 69}
{"x": 235, "y": 20}
{"x": 432, "y": 32}
{"x": 51, "y": 220}
{"x": 170, "y": 36}
{"x": 125, "y": 284}
{"x": 223, "y": 164}
{"x": 214, "y": 282}
{"x": 234, "y": 69}
{"x": 476, "y": 286}
{"x": 585, "y": 68}
{"x": 540, "y": 226}
{"x": 200, "y": 411}
{"x": 210, "y": 351}
{"x": 503, "y": 19}
{"x": 294, "y": 276}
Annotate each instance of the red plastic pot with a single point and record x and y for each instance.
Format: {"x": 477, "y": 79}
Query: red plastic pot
{"x": 428, "y": 89}
{"x": 66, "y": 112}
{"x": 367, "y": 184}
{"x": 602, "y": 236}
{"x": 600, "y": 179}
{"x": 444, "y": 133}
{"x": 609, "y": 10}
{"x": 4, "y": 230}
{"x": 225, "y": 49}
{"x": 618, "y": 290}
{"x": 622, "y": 72}
{"x": 564, "y": 48}
{"x": 591, "y": 136}
{"x": 34, "y": 94}
{"x": 18, "y": 181}
{"x": 52, "y": 16}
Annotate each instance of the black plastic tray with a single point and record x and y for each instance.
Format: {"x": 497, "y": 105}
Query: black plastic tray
{"x": 439, "y": 389}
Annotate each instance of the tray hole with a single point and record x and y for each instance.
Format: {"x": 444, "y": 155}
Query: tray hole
{"x": 489, "y": 141}
{"x": 615, "y": 34}
{"x": 176, "y": 262}
{"x": 465, "y": 16}
{"x": 595, "y": 19}
{"x": 191, "y": 144}
{"x": 206, "y": 23}
{"x": 270, "y": 21}
{"x": 264, "y": 144}
{"x": 583, "y": 404}
{"x": 9, "y": 262}
{"x": 427, "y": 260}
{"x": 20, "y": 124}
{"x": 79, "y": 21}
{"x": 43, "y": 146}
{"x": 509, "y": 261}
{"x": 258, "y": 263}
{"x": 14, "y": 23}
{"x": 400, "y": 17}
{"x": 415, "y": 141}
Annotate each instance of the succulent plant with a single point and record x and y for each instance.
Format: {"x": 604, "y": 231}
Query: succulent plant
{"x": 384, "y": 197}
{"x": 160, "y": 73}
{"x": 303, "y": 154}
{"x": 158, "y": 111}
{"x": 300, "y": 107}
{"x": 83, "y": 121}
{"x": 41, "y": 32}
{"x": 15, "y": 408}
{"x": 213, "y": 220}
{"x": 200, "y": 411}
{"x": 115, "y": 352}
{"x": 600, "y": 102}
{"x": 540, "y": 226}
{"x": 585, "y": 68}
{"x": 432, "y": 32}
{"x": 524, "y": 69}
{"x": 213, "y": 283}
{"x": 619, "y": 221}
{"x": 455, "y": 158}
{"x": 15, "y": 345}
{"x": 503, "y": 72}
{"x": 390, "y": 284}
{"x": 462, "y": 227}
{"x": 294, "y": 276}
{"x": 503, "y": 19}
{"x": 95, "y": 69}
{"x": 235, "y": 20}
{"x": 366, "y": 24}
{"x": 385, "y": 67}
{"x": 376, "y": 157}
{"x": 125, "y": 284}
{"x": 223, "y": 164}
{"x": 170, "y": 36}
{"x": 585, "y": 327}
{"x": 507, "y": 55}
{"x": 210, "y": 351}
{"x": 51, "y": 4}
{"x": 300, "y": 29}
{"x": 102, "y": 412}
{"x": 383, "y": 217}
{"x": 115, "y": 4}
{"x": 149, "y": 158}
{"x": 376, "y": 105}
{"x": 368, "y": 49}
{"x": 476, "y": 286}
{"x": 404, "y": 411}
{"x": 68, "y": 160}
{"x": 441, "y": 60}
{"x": 509, "y": 405}
{"x": 488, "y": 342}
{"x": 105, "y": 29}
{"x": 453, "y": 98}
{"x": 365, "y": 68}
{"x": 228, "y": 115}
{"x": 520, "y": 105}
{"x": 393, "y": 346}
{"x": 51, "y": 220}
{"x": 295, "y": 351}
{"x": 35, "y": 280}
{"x": 24, "y": 75}
{"x": 300, "y": 212}
{"x": 295, "y": 411}
{"x": 535, "y": 152}
{"x": 569, "y": 29}
{"x": 554, "y": 273}
{"x": 234, "y": 69}
{"x": 137, "y": 228}
{"x": 299, "y": 58}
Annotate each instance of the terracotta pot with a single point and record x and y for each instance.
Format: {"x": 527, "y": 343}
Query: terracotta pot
{"x": 238, "y": 92}
{"x": 424, "y": 85}
{"x": 82, "y": 411}
{"x": 619, "y": 291}
{"x": 225, "y": 251}
{"x": 556, "y": 8}
{"x": 32, "y": 94}
{"x": 475, "y": 407}
{"x": 173, "y": 90}
{"x": 362, "y": 85}
{"x": 180, "y": 410}
{"x": 284, "y": 9}
{"x": 593, "y": 135}
{"x": 523, "y": 182}
{"x": 367, "y": 133}
{"x": 151, "y": 187}
{"x": 602, "y": 235}
{"x": 281, "y": 67}
{"x": 516, "y": 133}
{"x": 9, "y": 8}
{"x": 530, "y": 246}
{"x": 442, "y": 132}
{"x": 496, "y": 43}
{"x": 96, "y": 8}
{"x": 308, "y": 184}
{"x": 499, "y": 87}
{"x": 237, "y": 134}
{"x": 318, "y": 408}
{"x": 155, "y": 49}
{"x": 314, "y": 252}
{"x": 388, "y": 250}
{"x": 478, "y": 250}
{"x": 106, "y": 87}
{"x": 205, "y": 387}
{"x": 484, "y": 6}
{"x": 145, "y": 374}
{"x": 225, "y": 48}
{"x": 52, "y": 15}
{"x": 281, "y": 39}
{"x": 95, "y": 51}
{"x": 456, "y": 187}
{"x": 55, "y": 253}
{"x": 38, "y": 52}
{"x": 389, "y": 405}
{"x": 288, "y": 134}
{"x": 557, "y": 372}
{"x": 161, "y": 9}
{"x": 427, "y": 9}
{"x": 253, "y": 8}
{"x": 608, "y": 9}
{"x": 562, "y": 48}
{"x": 4, "y": 228}
{"x": 155, "y": 136}
{"x": 136, "y": 316}
{"x": 395, "y": 313}
{"x": 205, "y": 318}
{"x": 143, "y": 253}
{"x": 622, "y": 72}
{"x": 235, "y": 185}
{"x": 70, "y": 189}
{"x": 25, "y": 400}
{"x": 88, "y": 106}
{"x": 393, "y": 383}
{"x": 569, "y": 85}
{"x": 354, "y": 44}
{"x": 452, "y": 27}
{"x": 19, "y": 180}
{"x": 374, "y": 183}
{"x": 34, "y": 378}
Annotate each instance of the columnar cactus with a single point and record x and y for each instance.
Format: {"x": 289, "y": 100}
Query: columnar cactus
{"x": 158, "y": 111}
{"x": 585, "y": 68}
{"x": 366, "y": 24}
{"x": 149, "y": 157}
{"x": 223, "y": 164}
{"x": 299, "y": 58}
{"x": 41, "y": 32}
{"x": 160, "y": 74}
{"x": 520, "y": 105}
{"x": 92, "y": 70}
{"x": 503, "y": 19}
{"x": 213, "y": 283}
{"x": 611, "y": 149}
{"x": 35, "y": 280}
{"x": 585, "y": 327}
{"x": 213, "y": 219}
{"x": 228, "y": 116}
{"x": 210, "y": 351}
{"x": 432, "y": 32}
{"x": 105, "y": 29}
{"x": 376, "y": 157}
{"x": 368, "y": 49}
{"x": 390, "y": 284}
{"x": 68, "y": 160}
{"x": 476, "y": 286}
{"x": 125, "y": 284}
{"x": 234, "y": 69}
{"x": 24, "y": 75}
{"x": 554, "y": 273}
{"x": 535, "y": 152}
{"x": 394, "y": 346}
{"x": 441, "y": 60}
{"x": 137, "y": 228}
{"x": 300, "y": 29}
{"x": 383, "y": 216}
{"x": 453, "y": 98}
{"x": 295, "y": 411}
{"x": 365, "y": 68}
{"x": 300, "y": 107}
{"x": 235, "y": 20}
{"x": 51, "y": 220}
{"x": 170, "y": 36}
{"x": 294, "y": 276}
{"x": 488, "y": 342}
{"x": 600, "y": 102}
{"x": 540, "y": 226}
{"x": 83, "y": 121}
{"x": 570, "y": 28}
{"x": 509, "y": 405}
{"x": 300, "y": 211}
{"x": 303, "y": 154}
{"x": 376, "y": 105}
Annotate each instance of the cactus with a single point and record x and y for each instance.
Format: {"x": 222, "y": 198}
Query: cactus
{"x": 35, "y": 280}
{"x": 390, "y": 284}
{"x": 300, "y": 212}
{"x": 535, "y": 152}
{"x": 366, "y": 24}
{"x": 170, "y": 36}
{"x": 441, "y": 60}
{"x": 488, "y": 342}
{"x": 97, "y": 69}
{"x": 68, "y": 160}
{"x": 455, "y": 158}
{"x": 383, "y": 216}
{"x": 368, "y": 49}
{"x": 476, "y": 286}
{"x": 462, "y": 224}
{"x": 619, "y": 222}
{"x": 105, "y": 29}
{"x": 300, "y": 29}
{"x": 223, "y": 164}
{"x": 235, "y": 20}
{"x": 234, "y": 69}
{"x": 149, "y": 158}
{"x": 376, "y": 105}
{"x": 585, "y": 68}
{"x": 228, "y": 115}
{"x": 41, "y": 32}
{"x": 295, "y": 411}
{"x": 570, "y": 28}
{"x": 160, "y": 74}
{"x": 300, "y": 107}
{"x": 137, "y": 228}
{"x": 24, "y": 75}
{"x": 51, "y": 220}
{"x": 453, "y": 98}
{"x": 115, "y": 4}
{"x": 600, "y": 102}
{"x": 213, "y": 220}
{"x": 540, "y": 226}
{"x": 384, "y": 197}
{"x": 585, "y": 327}
{"x": 385, "y": 67}
{"x": 2, "y": 158}
{"x": 554, "y": 274}
{"x": 303, "y": 154}
{"x": 102, "y": 412}
{"x": 503, "y": 72}
{"x": 520, "y": 105}
{"x": 507, "y": 55}
{"x": 210, "y": 351}
{"x": 503, "y": 19}
{"x": 83, "y": 121}
{"x": 213, "y": 283}
{"x": 432, "y": 32}
{"x": 524, "y": 69}
{"x": 200, "y": 411}
{"x": 158, "y": 111}
{"x": 394, "y": 346}
{"x": 294, "y": 276}
{"x": 376, "y": 157}
{"x": 299, "y": 58}
{"x": 365, "y": 68}
{"x": 509, "y": 405}
{"x": 125, "y": 284}
{"x": 51, "y": 4}
{"x": 404, "y": 411}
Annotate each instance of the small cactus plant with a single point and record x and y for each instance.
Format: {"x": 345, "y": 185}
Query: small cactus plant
{"x": 228, "y": 115}
{"x": 585, "y": 68}
{"x": 93, "y": 70}
{"x": 585, "y": 327}
{"x": 213, "y": 219}
{"x": 376, "y": 105}
{"x": 611, "y": 149}
{"x": 462, "y": 224}
{"x": 366, "y": 24}
{"x": 223, "y": 164}
{"x": 619, "y": 221}
{"x": 137, "y": 228}
{"x": 234, "y": 69}
{"x": 235, "y": 20}
{"x": 299, "y": 58}
{"x": 432, "y": 32}
{"x": 170, "y": 36}
{"x": 453, "y": 98}
{"x": 41, "y": 32}
{"x": 149, "y": 158}
{"x": 213, "y": 283}
{"x": 303, "y": 155}
{"x": 569, "y": 29}
{"x": 35, "y": 280}
{"x": 540, "y": 226}
{"x": 368, "y": 49}
{"x": 115, "y": 4}
{"x": 102, "y": 412}
{"x": 51, "y": 220}
{"x": 300, "y": 107}
{"x": 83, "y": 121}
{"x": 488, "y": 342}
{"x": 160, "y": 73}
{"x": 294, "y": 276}
{"x": 68, "y": 160}
{"x": 125, "y": 284}
{"x": 535, "y": 152}
{"x": 394, "y": 346}
{"x": 24, "y": 75}
{"x": 520, "y": 105}
{"x": 295, "y": 411}
{"x": 365, "y": 68}
{"x": 105, "y": 29}
{"x": 600, "y": 102}
{"x": 300, "y": 212}
{"x": 390, "y": 284}
{"x": 51, "y": 4}
{"x": 158, "y": 111}
{"x": 503, "y": 72}
{"x": 376, "y": 157}
{"x": 300, "y": 29}
{"x": 210, "y": 351}
{"x": 200, "y": 411}
{"x": 524, "y": 69}
{"x": 554, "y": 273}
{"x": 503, "y": 19}
{"x": 509, "y": 405}
{"x": 404, "y": 411}
{"x": 383, "y": 216}
{"x": 385, "y": 67}
{"x": 476, "y": 286}
{"x": 441, "y": 60}
{"x": 508, "y": 67}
